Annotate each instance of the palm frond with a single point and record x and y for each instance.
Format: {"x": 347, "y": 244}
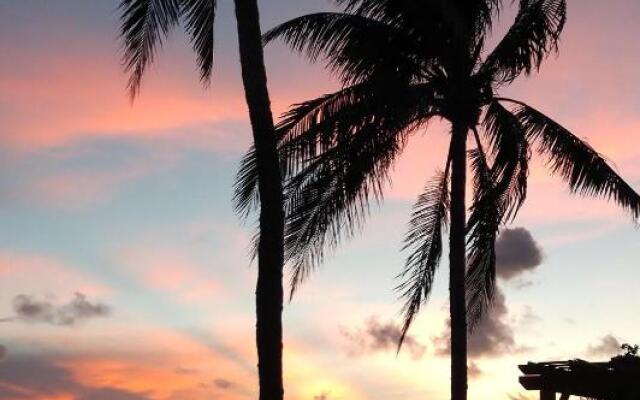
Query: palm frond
{"x": 339, "y": 155}
{"x": 510, "y": 150}
{"x": 199, "y": 20}
{"x": 339, "y": 164}
{"x": 144, "y": 25}
{"x": 391, "y": 11}
{"x": 499, "y": 191}
{"x": 328, "y": 200}
{"x": 477, "y": 15}
{"x": 482, "y": 229}
{"x": 300, "y": 132}
{"x": 438, "y": 28}
{"x": 424, "y": 242}
{"x": 331, "y": 200}
{"x": 355, "y": 47}
{"x": 431, "y": 18}
{"x": 533, "y": 35}
{"x": 586, "y": 171}
{"x": 246, "y": 197}
{"x": 309, "y": 127}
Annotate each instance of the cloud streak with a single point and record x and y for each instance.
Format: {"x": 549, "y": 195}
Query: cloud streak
{"x": 224, "y": 384}
{"x": 31, "y": 310}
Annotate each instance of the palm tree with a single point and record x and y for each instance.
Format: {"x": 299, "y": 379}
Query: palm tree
{"x": 145, "y": 24}
{"x": 402, "y": 64}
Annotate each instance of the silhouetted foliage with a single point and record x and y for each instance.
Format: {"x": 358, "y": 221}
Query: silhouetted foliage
{"x": 629, "y": 360}
{"x": 402, "y": 64}
{"x": 146, "y": 23}
{"x": 630, "y": 350}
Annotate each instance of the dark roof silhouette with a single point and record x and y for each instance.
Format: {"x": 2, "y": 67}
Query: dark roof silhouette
{"x": 618, "y": 379}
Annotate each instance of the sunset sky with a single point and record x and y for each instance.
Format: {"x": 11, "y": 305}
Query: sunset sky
{"x": 125, "y": 274}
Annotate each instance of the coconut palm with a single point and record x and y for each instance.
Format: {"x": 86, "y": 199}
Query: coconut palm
{"x": 145, "y": 24}
{"x": 402, "y": 64}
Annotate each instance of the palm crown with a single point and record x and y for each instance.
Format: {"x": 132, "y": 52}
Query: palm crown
{"x": 146, "y": 23}
{"x": 403, "y": 63}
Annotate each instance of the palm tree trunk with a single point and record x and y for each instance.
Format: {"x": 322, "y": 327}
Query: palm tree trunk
{"x": 457, "y": 263}
{"x": 269, "y": 290}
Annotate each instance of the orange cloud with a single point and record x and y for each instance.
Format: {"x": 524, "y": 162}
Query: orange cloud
{"x": 158, "y": 379}
{"x": 153, "y": 363}
{"x": 80, "y": 95}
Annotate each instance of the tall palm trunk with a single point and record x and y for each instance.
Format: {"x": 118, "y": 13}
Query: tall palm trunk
{"x": 457, "y": 263}
{"x": 269, "y": 291}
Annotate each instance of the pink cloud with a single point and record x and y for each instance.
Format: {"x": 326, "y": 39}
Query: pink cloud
{"x": 425, "y": 153}
{"x": 173, "y": 272}
{"x": 38, "y": 274}
{"x": 80, "y": 92}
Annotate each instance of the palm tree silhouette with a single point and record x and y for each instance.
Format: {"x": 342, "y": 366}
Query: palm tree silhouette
{"x": 403, "y": 63}
{"x": 145, "y": 24}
